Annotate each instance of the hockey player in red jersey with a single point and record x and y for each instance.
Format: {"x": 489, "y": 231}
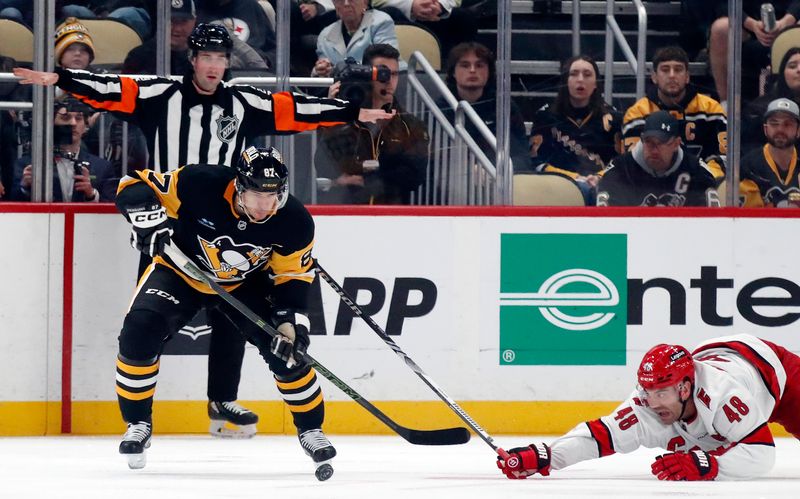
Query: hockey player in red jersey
{"x": 243, "y": 228}
{"x": 708, "y": 409}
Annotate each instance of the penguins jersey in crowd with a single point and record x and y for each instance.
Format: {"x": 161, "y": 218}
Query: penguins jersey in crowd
{"x": 626, "y": 182}
{"x": 763, "y": 184}
{"x": 577, "y": 145}
{"x": 199, "y": 200}
{"x": 184, "y": 127}
{"x": 705, "y": 131}
{"x": 738, "y": 383}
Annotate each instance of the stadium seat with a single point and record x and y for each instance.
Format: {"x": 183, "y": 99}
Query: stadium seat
{"x": 413, "y": 38}
{"x": 16, "y": 41}
{"x": 788, "y": 38}
{"x": 269, "y": 11}
{"x": 546, "y": 189}
{"x": 112, "y": 40}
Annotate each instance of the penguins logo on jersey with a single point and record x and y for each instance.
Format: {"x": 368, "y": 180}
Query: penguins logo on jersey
{"x": 231, "y": 261}
{"x": 226, "y": 128}
{"x": 666, "y": 199}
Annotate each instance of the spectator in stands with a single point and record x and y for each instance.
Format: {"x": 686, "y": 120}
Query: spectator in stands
{"x": 471, "y": 77}
{"x": 786, "y": 84}
{"x": 133, "y": 13}
{"x": 756, "y": 43}
{"x": 246, "y": 19}
{"x": 705, "y": 132}
{"x": 358, "y": 27}
{"x": 77, "y": 174}
{"x": 657, "y": 171}
{"x": 74, "y": 47}
{"x": 308, "y": 19}
{"x": 578, "y": 133}
{"x": 142, "y": 59}
{"x": 445, "y": 18}
{"x": 768, "y": 176}
{"x": 362, "y": 163}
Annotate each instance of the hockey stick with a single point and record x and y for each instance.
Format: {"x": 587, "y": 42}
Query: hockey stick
{"x": 350, "y": 302}
{"x": 446, "y": 436}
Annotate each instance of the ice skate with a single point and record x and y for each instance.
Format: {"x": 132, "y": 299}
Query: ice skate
{"x": 317, "y": 445}
{"x": 134, "y": 443}
{"x": 231, "y": 420}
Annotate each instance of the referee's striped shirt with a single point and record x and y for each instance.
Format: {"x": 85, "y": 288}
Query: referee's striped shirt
{"x": 183, "y": 127}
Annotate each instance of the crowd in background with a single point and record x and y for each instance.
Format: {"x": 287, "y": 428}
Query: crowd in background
{"x": 578, "y": 134}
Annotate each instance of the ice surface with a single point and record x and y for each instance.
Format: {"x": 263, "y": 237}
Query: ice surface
{"x": 368, "y": 467}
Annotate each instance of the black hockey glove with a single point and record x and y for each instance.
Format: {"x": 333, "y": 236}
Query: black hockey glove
{"x": 292, "y": 342}
{"x": 150, "y": 230}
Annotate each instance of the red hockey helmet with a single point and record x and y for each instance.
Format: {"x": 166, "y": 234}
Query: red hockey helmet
{"x": 665, "y": 365}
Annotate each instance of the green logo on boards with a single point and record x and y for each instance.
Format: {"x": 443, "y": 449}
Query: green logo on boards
{"x": 563, "y": 299}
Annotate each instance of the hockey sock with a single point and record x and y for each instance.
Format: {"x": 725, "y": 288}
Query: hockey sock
{"x": 136, "y": 385}
{"x": 303, "y": 395}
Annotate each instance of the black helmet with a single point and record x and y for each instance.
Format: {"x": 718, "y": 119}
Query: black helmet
{"x": 211, "y": 37}
{"x": 261, "y": 169}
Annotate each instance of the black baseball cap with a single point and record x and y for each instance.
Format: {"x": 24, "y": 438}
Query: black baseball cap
{"x": 661, "y": 125}
{"x": 183, "y": 9}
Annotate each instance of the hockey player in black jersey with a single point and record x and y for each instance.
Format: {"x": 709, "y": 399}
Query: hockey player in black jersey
{"x": 242, "y": 227}
{"x": 657, "y": 171}
{"x": 200, "y": 119}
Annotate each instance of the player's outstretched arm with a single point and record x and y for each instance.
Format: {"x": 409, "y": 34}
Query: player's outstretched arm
{"x": 31, "y": 77}
{"x": 523, "y": 462}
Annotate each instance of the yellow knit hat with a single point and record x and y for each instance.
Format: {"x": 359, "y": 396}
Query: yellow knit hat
{"x": 69, "y": 32}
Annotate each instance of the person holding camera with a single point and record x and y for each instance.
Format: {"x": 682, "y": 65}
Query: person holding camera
{"x": 365, "y": 163}
{"x": 358, "y": 27}
{"x": 77, "y": 172}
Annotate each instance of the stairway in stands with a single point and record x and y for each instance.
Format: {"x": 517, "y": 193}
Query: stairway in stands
{"x": 542, "y": 37}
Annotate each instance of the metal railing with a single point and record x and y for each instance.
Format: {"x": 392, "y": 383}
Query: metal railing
{"x": 636, "y": 62}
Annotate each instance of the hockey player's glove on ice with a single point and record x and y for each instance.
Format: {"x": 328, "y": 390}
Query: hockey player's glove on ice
{"x": 526, "y": 461}
{"x": 150, "y": 230}
{"x": 291, "y": 345}
{"x": 694, "y": 465}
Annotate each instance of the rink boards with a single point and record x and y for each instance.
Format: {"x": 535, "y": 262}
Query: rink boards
{"x": 532, "y": 319}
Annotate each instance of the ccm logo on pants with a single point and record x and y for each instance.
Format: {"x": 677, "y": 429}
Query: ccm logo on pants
{"x": 162, "y": 294}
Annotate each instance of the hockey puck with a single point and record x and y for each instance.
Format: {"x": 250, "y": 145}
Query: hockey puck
{"x": 324, "y": 472}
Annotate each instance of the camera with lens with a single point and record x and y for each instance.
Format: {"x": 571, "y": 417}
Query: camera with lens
{"x": 357, "y": 79}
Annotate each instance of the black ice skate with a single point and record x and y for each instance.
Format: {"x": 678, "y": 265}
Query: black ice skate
{"x": 231, "y": 420}
{"x": 134, "y": 443}
{"x": 317, "y": 445}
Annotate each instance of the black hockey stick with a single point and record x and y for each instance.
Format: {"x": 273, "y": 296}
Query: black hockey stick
{"x": 446, "y": 436}
{"x": 350, "y": 302}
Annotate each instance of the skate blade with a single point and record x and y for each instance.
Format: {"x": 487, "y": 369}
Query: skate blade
{"x": 136, "y": 461}
{"x": 324, "y": 471}
{"x": 226, "y": 429}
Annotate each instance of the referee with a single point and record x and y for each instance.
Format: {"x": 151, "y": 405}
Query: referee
{"x": 199, "y": 119}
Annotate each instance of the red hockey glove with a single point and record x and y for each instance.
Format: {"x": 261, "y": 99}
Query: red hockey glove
{"x": 692, "y": 466}
{"x": 523, "y": 462}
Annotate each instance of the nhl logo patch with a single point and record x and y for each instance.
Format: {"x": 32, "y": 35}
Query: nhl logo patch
{"x": 226, "y": 128}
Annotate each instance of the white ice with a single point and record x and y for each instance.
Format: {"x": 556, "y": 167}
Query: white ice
{"x": 368, "y": 467}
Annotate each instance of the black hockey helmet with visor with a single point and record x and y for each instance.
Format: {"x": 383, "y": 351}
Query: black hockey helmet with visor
{"x": 261, "y": 169}
{"x": 211, "y": 38}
